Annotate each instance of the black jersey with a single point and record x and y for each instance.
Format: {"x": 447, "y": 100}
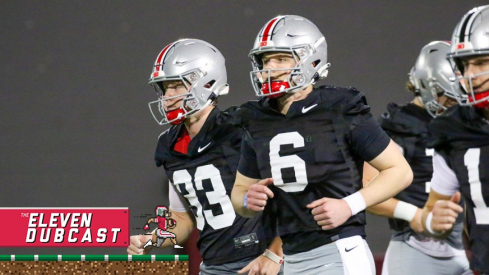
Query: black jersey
{"x": 316, "y": 150}
{"x": 407, "y": 125}
{"x": 205, "y": 177}
{"x": 461, "y": 136}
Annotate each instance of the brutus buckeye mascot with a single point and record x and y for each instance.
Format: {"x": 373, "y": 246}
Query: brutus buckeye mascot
{"x": 164, "y": 222}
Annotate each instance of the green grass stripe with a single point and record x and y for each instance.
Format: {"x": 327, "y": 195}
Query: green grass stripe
{"x": 171, "y": 257}
{"x": 24, "y": 257}
{"x": 116, "y": 257}
{"x": 94, "y": 257}
{"x": 45, "y": 258}
{"x": 71, "y": 257}
{"x": 141, "y": 257}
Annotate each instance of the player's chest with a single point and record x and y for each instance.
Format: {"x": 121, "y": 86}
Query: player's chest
{"x": 313, "y": 139}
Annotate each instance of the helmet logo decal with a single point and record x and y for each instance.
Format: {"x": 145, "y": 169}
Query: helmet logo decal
{"x": 460, "y": 46}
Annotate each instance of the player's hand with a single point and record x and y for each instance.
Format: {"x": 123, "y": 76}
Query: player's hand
{"x": 136, "y": 246}
{"x": 330, "y": 213}
{"x": 415, "y": 223}
{"x": 258, "y": 195}
{"x": 261, "y": 266}
{"x": 445, "y": 213}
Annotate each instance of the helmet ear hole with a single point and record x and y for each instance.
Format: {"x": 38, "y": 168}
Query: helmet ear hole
{"x": 209, "y": 84}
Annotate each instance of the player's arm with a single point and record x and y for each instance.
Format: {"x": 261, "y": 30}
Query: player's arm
{"x": 395, "y": 174}
{"x": 442, "y": 208}
{"x": 393, "y": 208}
{"x": 249, "y": 196}
{"x": 267, "y": 263}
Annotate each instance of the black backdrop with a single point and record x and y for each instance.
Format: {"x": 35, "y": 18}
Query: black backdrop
{"x": 75, "y": 129}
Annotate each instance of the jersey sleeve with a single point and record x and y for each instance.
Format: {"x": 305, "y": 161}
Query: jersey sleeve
{"x": 248, "y": 165}
{"x": 444, "y": 180}
{"x": 177, "y": 202}
{"x": 367, "y": 139}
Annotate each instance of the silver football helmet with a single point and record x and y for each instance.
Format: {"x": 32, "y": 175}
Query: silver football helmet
{"x": 470, "y": 39}
{"x": 199, "y": 66}
{"x": 432, "y": 75}
{"x": 301, "y": 38}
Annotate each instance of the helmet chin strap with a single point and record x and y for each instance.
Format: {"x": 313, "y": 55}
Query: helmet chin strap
{"x": 176, "y": 116}
{"x": 277, "y": 88}
{"x": 483, "y": 104}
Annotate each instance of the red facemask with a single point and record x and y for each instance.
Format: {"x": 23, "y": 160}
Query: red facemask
{"x": 171, "y": 115}
{"x": 277, "y": 87}
{"x": 479, "y": 96}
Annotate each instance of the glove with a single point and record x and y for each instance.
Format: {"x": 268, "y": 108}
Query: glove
{"x": 146, "y": 227}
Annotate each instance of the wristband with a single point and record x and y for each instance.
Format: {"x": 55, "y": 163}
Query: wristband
{"x": 356, "y": 203}
{"x": 428, "y": 225}
{"x": 245, "y": 201}
{"x": 274, "y": 257}
{"x": 405, "y": 211}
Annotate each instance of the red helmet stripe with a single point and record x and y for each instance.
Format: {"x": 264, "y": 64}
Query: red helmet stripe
{"x": 161, "y": 56}
{"x": 269, "y": 29}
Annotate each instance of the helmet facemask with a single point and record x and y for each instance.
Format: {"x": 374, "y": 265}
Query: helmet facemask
{"x": 469, "y": 41}
{"x": 478, "y": 100}
{"x": 301, "y": 39}
{"x": 433, "y": 107}
{"x": 295, "y": 81}
{"x": 200, "y": 67}
{"x": 189, "y": 104}
{"x": 432, "y": 76}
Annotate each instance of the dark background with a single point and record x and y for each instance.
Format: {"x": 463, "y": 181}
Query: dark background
{"x": 75, "y": 128}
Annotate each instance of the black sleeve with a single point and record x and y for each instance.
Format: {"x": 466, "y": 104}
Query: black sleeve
{"x": 247, "y": 163}
{"x": 367, "y": 139}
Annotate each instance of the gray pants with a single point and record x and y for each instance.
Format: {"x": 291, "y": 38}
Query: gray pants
{"x": 402, "y": 259}
{"x": 332, "y": 259}
{"x": 225, "y": 269}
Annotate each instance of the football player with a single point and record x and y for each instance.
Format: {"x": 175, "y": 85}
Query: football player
{"x": 200, "y": 153}
{"x": 303, "y": 152}
{"x": 410, "y": 251}
{"x": 460, "y": 137}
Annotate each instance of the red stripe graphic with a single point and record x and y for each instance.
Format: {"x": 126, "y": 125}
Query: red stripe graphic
{"x": 267, "y": 30}
{"x": 160, "y": 57}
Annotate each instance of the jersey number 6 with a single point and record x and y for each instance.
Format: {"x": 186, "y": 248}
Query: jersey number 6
{"x": 292, "y": 161}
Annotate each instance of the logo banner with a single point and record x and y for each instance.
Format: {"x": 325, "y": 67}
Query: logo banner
{"x": 64, "y": 227}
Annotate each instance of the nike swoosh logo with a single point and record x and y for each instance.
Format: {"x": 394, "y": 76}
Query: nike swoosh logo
{"x": 348, "y": 250}
{"x": 305, "y": 110}
{"x": 294, "y": 35}
{"x": 200, "y": 149}
{"x": 180, "y": 63}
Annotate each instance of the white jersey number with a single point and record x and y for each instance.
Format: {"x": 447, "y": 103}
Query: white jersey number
{"x": 293, "y": 161}
{"x": 429, "y": 153}
{"x": 217, "y": 196}
{"x": 472, "y": 161}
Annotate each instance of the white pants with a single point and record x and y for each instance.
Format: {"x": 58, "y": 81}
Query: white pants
{"x": 348, "y": 256}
